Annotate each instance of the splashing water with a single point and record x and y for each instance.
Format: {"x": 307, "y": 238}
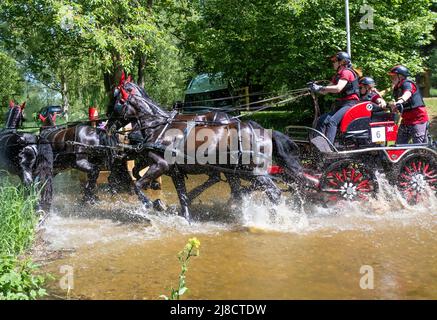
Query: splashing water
{"x": 125, "y": 251}
{"x": 388, "y": 206}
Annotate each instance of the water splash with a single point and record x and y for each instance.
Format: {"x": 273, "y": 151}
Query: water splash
{"x": 387, "y": 209}
{"x": 72, "y": 225}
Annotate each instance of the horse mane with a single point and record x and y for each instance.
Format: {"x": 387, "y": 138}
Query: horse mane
{"x": 141, "y": 94}
{"x": 13, "y": 117}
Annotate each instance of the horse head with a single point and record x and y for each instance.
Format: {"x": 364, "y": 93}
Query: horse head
{"x": 132, "y": 103}
{"x": 47, "y": 115}
{"x": 15, "y": 115}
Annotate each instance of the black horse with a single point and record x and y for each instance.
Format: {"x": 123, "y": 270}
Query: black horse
{"x": 78, "y": 146}
{"x": 26, "y": 155}
{"x": 152, "y": 127}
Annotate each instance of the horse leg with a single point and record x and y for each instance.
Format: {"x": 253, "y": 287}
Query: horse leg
{"x": 140, "y": 165}
{"x": 156, "y": 169}
{"x": 28, "y": 158}
{"x": 92, "y": 172}
{"x": 179, "y": 183}
{"x": 235, "y": 185}
{"x": 27, "y": 161}
{"x": 212, "y": 180}
{"x": 266, "y": 184}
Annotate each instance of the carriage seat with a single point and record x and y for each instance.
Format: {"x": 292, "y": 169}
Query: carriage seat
{"x": 357, "y": 117}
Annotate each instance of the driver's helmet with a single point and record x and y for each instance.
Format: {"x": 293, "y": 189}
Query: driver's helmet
{"x": 400, "y": 69}
{"x": 367, "y": 81}
{"x": 341, "y": 56}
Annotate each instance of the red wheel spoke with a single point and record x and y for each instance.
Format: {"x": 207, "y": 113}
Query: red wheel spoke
{"x": 333, "y": 183}
{"x": 414, "y": 166}
{"x": 405, "y": 177}
{"x": 352, "y": 174}
{"x": 425, "y": 168}
{"x": 364, "y": 183}
{"x": 358, "y": 177}
{"x": 407, "y": 169}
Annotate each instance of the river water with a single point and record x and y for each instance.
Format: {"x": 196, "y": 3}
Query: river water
{"x": 117, "y": 250}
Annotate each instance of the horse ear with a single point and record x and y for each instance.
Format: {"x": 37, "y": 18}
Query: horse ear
{"x": 42, "y": 118}
{"x": 23, "y": 105}
{"x": 11, "y": 104}
{"x": 129, "y": 79}
{"x": 124, "y": 94}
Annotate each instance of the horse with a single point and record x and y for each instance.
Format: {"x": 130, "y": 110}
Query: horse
{"x": 156, "y": 132}
{"x": 26, "y": 155}
{"x": 78, "y": 146}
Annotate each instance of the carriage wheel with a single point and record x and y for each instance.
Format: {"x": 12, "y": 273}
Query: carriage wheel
{"x": 350, "y": 181}
{"x": 416, "y": 174}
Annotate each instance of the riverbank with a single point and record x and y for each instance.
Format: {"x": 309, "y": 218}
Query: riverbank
{"x": 19, "y": 278}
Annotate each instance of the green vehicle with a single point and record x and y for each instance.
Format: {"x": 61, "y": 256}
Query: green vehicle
{"x": 209, "y": 92}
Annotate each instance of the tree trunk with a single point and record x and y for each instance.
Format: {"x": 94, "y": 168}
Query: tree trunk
{"x": 112, "y": 80}
{"x": 141, "y": 67}
{"x": 64, "y": 95}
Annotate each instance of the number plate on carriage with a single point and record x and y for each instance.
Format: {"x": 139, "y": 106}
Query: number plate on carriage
{"x": 378, "y": 134}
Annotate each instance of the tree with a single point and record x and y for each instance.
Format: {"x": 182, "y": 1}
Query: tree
{"x": 68, "y": 45}
{"x": 11, "y": 82}
{"x": 286, "y": 43}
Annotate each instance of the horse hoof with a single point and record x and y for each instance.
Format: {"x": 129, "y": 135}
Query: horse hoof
{"x": 155, "y": 185}
{"x": 159, "y": 205}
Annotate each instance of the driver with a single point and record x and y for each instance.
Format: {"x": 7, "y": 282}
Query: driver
{"x": 409, "y": 102}
{"x": 368, "y": 92}
{"x": 345, "y": 85}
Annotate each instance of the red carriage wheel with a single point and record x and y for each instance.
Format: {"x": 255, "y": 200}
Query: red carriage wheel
{"x": 416, "y": 174}
{"x": 350, "y": 181}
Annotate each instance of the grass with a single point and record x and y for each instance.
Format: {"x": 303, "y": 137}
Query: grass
{"x": 431, "y": 105}
{"x": 18, "y": 220}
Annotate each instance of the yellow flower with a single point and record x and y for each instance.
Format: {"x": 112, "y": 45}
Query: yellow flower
{"x": 195, "y": 243}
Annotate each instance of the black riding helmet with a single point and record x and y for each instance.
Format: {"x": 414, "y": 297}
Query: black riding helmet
{"x": 399, "y": 69}
{"x": 367, "y": 81}
{"x": 340, "y": 56}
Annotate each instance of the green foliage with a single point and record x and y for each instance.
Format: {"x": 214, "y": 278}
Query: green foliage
{"x": 191, "y": 249}
{"x": 18, "y": 280}
{"x": 433, "y": 66}
{"x": 17, "y": 218}
{"x": 77, "y": 47}
{"x": 285, "y": 42}
{"x": 11, "y": 80}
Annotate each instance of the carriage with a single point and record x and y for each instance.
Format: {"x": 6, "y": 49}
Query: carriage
{"x": 365, "y": 144}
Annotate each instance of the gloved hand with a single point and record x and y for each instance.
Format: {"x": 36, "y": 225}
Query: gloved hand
{"x": 396, "y": 107}
{"x": 399, "y": 107}
{"x": 313, "y": 87}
